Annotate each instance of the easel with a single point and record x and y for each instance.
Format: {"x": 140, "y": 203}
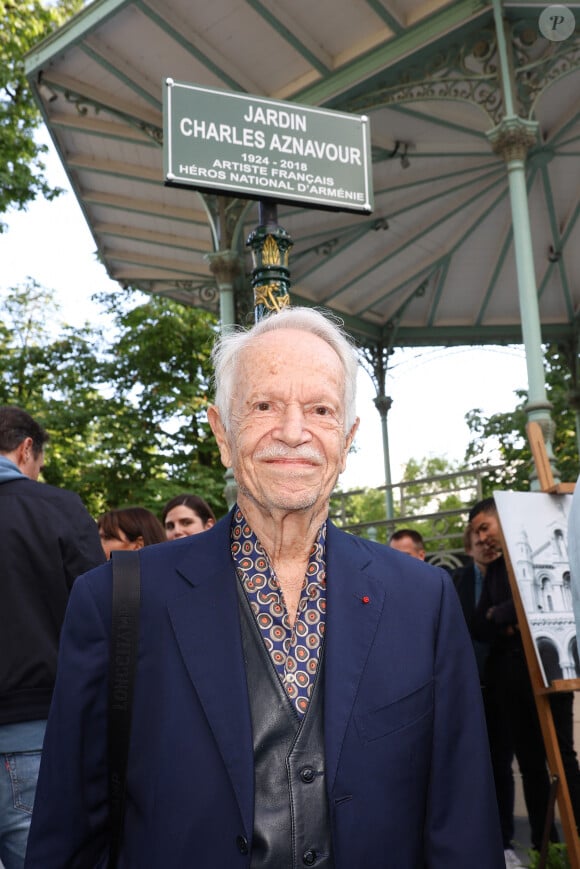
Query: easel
{"x": 541, "y": 693}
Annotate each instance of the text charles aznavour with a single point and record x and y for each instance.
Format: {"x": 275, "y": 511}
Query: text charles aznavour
{"x": 256, "y": 168}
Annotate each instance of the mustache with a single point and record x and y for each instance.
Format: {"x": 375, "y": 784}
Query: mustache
{"x": 279, "y": 451}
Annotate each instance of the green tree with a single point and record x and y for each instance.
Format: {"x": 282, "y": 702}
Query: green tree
{"x": 157, "y": 375}
{"x": 503, "y": 435}
{"x": 126, "y": 411}
{"x": 430, "y": 495}
{"x": 23, "y": 23}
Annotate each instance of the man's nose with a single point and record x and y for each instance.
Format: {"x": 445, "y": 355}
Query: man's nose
{"x": 292, "y": 427}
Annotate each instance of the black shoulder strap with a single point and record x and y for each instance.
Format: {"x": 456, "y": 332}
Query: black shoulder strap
{"x": 122, "y": 668}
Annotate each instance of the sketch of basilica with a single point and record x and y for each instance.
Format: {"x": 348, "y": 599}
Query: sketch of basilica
{"x": 535, "y": 527}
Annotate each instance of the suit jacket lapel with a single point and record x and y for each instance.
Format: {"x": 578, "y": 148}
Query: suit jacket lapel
{"x": 205, "y": 621}
{"x": 355, "y": 602}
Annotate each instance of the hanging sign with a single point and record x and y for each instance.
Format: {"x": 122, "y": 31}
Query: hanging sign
{"x": 254, "y": 147}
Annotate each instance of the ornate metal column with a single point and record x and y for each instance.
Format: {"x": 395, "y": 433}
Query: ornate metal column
{"x": 512, "y": 138}
{"x": 270, "y": 245}
{"x": 383, "y": 404}
{"x": 226, "y": 264}
{"x": 375, "y": 359}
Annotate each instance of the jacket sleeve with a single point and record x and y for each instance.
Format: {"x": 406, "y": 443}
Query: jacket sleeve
{"x": 70, "y": 817}
{"x": 462, "y": 816}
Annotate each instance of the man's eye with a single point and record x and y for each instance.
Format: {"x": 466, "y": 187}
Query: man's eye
{"x": 321, "y": 410}
{"x": 263, "y": 405}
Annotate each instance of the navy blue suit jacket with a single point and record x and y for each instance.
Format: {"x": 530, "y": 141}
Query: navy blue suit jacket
{"x": 407, "y": 765}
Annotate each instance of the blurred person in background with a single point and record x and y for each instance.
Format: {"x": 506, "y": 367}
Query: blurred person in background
{"x": 469, "y": 584}
{"x": 47, "y": 539}
{"x": 129, "y": 528}
{"x": 185, "y": 515}
{"x": 410, "y": 541}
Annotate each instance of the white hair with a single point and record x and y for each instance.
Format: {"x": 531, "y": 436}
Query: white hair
{"x": 228, "y": 347}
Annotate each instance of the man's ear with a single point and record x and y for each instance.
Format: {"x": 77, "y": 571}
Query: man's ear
{"x": 348, "y": 442}
{"x": 23, "y": 452}
{"x": 138, "y": 543}
{"x": 220, "y": 435}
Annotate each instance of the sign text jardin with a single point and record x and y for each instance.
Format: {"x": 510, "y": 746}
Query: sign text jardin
{"x": 261, "y": 148}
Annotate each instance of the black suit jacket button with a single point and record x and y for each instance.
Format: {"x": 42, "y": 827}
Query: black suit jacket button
{"x": 307, "y": 774}
{"x": 309, "y": 858}
{"x": 242, "y": 844}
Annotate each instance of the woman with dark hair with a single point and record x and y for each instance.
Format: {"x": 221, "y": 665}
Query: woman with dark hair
{"x": 185, "y": 515}
{"x": 129, "y": 528}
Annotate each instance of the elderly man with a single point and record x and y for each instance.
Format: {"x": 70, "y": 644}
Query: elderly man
{"x": 303, "y": 697}
{"x": 46, "y": 539}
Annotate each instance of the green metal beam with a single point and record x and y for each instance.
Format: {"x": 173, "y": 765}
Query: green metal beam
{"x": 174, "y": 34}
{"x": 289, "y": 37}
{"x": 71, "y": 33}
{"x": 385, "y": 16}
{"x": 445, "y": 263}
{"x": 121, "y": 76}
{"x": 556, "y": 240}
{"x": 376, "y": 60}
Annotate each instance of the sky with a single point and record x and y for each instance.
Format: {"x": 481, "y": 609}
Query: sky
{"x": 432, "y": 389}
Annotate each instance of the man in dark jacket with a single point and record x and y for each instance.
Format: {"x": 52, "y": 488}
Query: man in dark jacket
{"x": 47, "y": 539}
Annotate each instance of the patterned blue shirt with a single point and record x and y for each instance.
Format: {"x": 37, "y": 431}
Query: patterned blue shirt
{"x": 295, "y": 651}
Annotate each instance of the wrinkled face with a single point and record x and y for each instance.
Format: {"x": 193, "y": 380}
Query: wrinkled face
{"x": 486, "y": 536}
{"x": 182, "y": 521}
{"x": 286, "y": 442}
{"x": 406, "y": 544}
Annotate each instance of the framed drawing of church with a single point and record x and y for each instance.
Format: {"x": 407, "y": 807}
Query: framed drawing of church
{"x": 535, "y": 530}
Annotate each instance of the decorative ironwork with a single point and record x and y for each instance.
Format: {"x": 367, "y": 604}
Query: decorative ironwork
{"x": 83, "y": 104}
{"x": 466, "y": 72}
{"x": 270, "y": 245}
{"x": 269, "y": 297}
{"x": 470, "y": 72}
{"x": 207, "y": 293}
{"x": 190, "y": 291}
{"x": 536, "y": 75}
{"x": 326, "y": 248}
{"x": 513, "y": 138}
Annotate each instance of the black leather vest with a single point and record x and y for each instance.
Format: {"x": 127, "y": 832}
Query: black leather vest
{"x": 291, "y": 818}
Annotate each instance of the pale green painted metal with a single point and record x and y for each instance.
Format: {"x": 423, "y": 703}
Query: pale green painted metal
{"x": 112, "y": 137}
{"x": 121, "y": 76}
{"x": 288, "y": 36}
{"x": 557, "y": 242}
{"x": 135, "y": 210}
{"x": 494, "y": 276}
{"x": 538, "y": 407}
{"x": 72, "y": 32}
{"x": 385, "y": 15}
{"x": 189, "y": 46}
{"x": 439, "y": 122}
{"x": 444, "y": 265}
{"x": 408, "y": 243}
{"x": 376, "y": 60}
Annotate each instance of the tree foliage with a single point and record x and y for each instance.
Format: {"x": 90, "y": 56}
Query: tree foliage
{"x": 503, "y": 435}
{"x": 23, "y": 23}
{"x": 435, "y": 492}
{"x": 125, "y": 410}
